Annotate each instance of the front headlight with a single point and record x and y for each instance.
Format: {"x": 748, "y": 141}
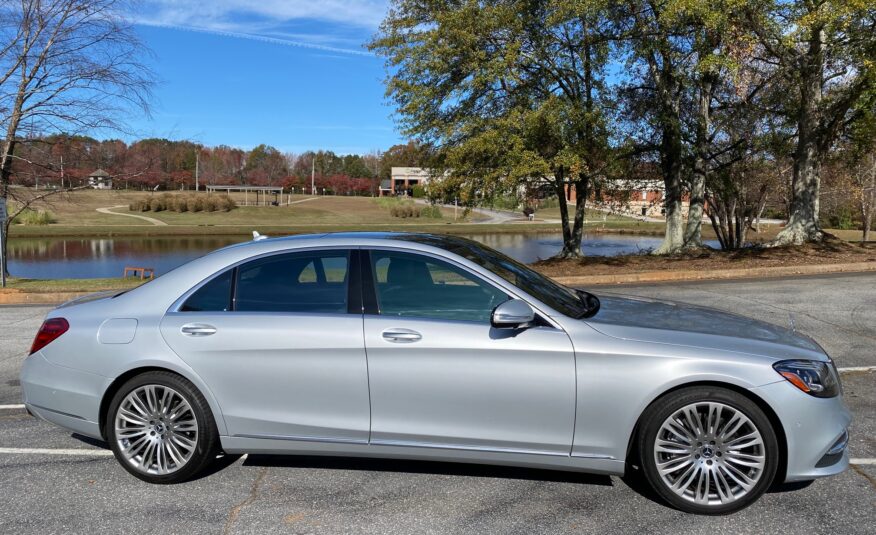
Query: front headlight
{"x": 814, "y": 377}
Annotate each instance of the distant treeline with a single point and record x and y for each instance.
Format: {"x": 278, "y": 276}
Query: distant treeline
{"x": 65, "y": 161}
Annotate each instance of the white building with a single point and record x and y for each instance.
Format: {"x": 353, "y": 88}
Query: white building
{"x": 403, "y": 180}
{"x": 100, "y": 179}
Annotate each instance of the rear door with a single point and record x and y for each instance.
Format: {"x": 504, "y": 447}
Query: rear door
{"x": 442, "y": 377}
{"x": 279, "y": 342}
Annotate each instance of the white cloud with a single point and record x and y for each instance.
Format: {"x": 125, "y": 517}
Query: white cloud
{"x": 200, "y": 13}
{"x": 338, "y": 26}
{"x": 262, "y": 38}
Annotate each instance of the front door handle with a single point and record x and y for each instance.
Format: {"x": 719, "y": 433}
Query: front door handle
{"x": 401, "y": 335}
{"x": 198, "y": 329}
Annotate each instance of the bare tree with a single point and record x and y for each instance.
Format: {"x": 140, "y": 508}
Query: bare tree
{"x": 856, "y": 186}
{"x": 65, "y": 66}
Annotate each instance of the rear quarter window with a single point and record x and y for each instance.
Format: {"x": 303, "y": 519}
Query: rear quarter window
{"x": 214, "y": 296}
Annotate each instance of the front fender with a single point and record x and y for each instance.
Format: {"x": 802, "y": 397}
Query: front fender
{"x": 618, "y": 379}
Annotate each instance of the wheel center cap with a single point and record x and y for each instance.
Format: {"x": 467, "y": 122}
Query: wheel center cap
{"x": 159, "y": 428}
{"x": 708, "y": 452}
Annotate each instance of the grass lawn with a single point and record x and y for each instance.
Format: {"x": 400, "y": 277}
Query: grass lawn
{"x": 72, "y": 285}
{"x": 76, "y": 214}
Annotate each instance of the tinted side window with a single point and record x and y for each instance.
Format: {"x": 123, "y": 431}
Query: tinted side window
{"x": 215, "y": 296}
{"x": 299, "y": 282}
{"x": 410, "y": 285}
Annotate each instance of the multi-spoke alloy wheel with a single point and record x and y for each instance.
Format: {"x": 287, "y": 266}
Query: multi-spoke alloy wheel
{"x": 160, "y": 428}
{"x": 709, "y": 453}
{"x": 156, "y": 429}
{"x": 708, "y": 450}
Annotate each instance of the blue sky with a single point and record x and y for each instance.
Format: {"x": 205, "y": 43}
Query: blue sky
{"x": 289, "y": 73}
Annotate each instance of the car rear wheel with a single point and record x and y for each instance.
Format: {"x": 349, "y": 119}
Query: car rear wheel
{"x": 708, "y": 450}
{"x": 160, "y": 428}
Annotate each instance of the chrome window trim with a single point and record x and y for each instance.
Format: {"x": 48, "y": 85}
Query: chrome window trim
{"x": 175, "y": 306}
{"x": 488, "y": 278}
{"x": 544, "y": 311}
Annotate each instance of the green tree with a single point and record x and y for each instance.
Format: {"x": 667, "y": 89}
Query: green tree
{"x": 679, "y": 52}
{"x": 659, "y": 45}
{"x": 824, "y": 54}
{"x": 510, "y": 93}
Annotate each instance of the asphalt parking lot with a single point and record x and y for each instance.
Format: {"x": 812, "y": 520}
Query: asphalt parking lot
{"x": 74, "y": 486}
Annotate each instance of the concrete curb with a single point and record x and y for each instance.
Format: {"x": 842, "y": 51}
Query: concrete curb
{"x": 724, "y": 274}
{"x": 18, "y": 297}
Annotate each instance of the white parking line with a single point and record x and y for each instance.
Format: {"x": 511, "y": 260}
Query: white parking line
{"x": 863, "y": 461}
{"x": 10, "y": 407}
{"x": 857, "y": 369}
{"x": 47, "y": 451}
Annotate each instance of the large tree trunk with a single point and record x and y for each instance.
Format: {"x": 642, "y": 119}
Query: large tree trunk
{"x": 671, "y": 154}
{"x": 868, "y": 222}
{"x": 5, "y": 176}
{"x": 868, "y": 205}
{"x": 4, "y": 226}
{"x": 573, "y": 231}
{"x": 8, "y": 150}
{"x": 868, "y": 197}
{"x": 572, "y": 248}
{"x": 803, "y": 223}
{"x": 693, "y": 237}
{"x": 693, "y": 232}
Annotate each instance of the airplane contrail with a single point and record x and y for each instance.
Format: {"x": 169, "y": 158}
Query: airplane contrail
{"x": 262, "y": 38}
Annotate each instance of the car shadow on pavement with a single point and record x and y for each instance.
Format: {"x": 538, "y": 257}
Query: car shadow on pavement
{"x": 91, "y": 441}
{"x": 426, "y": 467}
{"x": 220, "y": 463}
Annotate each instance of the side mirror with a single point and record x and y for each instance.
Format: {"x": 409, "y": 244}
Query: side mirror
{"x": 512, "y": 313}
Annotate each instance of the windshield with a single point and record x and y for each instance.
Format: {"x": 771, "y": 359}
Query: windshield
{"x": 572, "y": 303}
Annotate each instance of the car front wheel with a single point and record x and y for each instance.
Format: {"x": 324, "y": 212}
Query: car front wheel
{"x": 160, "y": 428}
{"x": 708, "y": 450}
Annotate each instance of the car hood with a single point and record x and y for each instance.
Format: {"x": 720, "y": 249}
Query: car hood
{"x": 657, "y": 321}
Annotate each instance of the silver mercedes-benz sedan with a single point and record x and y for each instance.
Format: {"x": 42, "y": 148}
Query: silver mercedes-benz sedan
{"x": 431, "y": 347}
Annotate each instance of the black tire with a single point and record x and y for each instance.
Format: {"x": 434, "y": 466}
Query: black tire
{"x": 658, "y": 413}
{"x": 207, "y": 442}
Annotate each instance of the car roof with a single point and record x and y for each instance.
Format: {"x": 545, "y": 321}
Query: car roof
{"x": 354, "y": 238}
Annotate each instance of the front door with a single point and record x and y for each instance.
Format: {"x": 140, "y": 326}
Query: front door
{"x": 275, "y": 343}
{"x": 441, "y": 376}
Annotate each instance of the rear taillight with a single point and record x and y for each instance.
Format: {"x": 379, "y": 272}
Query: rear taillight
{"x": 50, "y": 330}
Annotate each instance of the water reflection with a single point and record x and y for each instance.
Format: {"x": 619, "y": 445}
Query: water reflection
{"x": 50, "y": 258}
{"x": 532, "y": 247}
{"x": 53, "y": 258}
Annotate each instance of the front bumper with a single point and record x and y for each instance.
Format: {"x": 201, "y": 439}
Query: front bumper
{"x": 815, "y": 429}
{"x": 63, "y": 396}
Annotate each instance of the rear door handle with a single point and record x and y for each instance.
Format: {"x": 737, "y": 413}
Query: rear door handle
{"x": 399, "y": 335}
{"x": 198, "y": 329}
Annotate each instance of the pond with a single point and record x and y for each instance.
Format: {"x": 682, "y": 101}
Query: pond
{"x": 55, "y": 258}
